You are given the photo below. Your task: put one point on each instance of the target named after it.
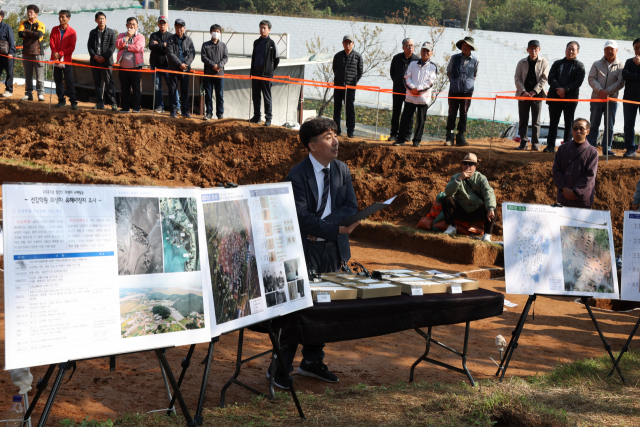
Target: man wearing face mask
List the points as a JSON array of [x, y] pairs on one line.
[[158, 59], [214, 55], [180, 52], [130, 47], [399, 65]]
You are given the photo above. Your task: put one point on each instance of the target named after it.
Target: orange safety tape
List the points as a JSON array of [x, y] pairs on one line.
[[626, 101], [524, 98]]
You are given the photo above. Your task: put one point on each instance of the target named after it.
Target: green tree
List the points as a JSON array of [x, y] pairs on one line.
[[162, 311], [524, 16]]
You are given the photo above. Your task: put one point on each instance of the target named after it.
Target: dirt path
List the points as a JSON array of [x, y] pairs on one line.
[[561, 331]]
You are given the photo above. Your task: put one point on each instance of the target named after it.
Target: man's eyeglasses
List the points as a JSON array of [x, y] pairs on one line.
[[579, 129], [468, 164]]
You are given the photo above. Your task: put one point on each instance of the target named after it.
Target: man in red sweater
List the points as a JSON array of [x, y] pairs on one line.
[[63, 43]]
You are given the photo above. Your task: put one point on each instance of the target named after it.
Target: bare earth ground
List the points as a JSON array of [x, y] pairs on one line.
[[101, 147], [561, 332]]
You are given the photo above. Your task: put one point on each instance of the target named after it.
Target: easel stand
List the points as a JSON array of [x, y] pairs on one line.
[[626, 347], [64, 367], [463, 355], [515, 335], [276, 355]]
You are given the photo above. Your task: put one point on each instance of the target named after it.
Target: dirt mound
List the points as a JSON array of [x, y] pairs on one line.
[[88, 146]]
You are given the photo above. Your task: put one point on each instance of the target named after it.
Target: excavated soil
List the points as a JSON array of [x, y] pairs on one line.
[[85, 146], [38, 145]]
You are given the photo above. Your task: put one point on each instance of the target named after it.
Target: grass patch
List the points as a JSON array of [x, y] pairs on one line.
[[572, 394], [29, 164]]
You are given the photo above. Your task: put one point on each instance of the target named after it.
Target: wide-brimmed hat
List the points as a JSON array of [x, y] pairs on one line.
[[467, 40], [471, 158]]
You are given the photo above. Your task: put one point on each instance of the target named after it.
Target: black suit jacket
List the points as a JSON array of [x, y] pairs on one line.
[[343, 204]]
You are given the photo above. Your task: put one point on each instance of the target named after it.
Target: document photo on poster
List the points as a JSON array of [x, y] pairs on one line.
[[95, 270], [255, 261], [558, 251]]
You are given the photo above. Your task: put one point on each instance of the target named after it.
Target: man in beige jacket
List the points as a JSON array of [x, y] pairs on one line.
[[531, 78], [605, 78]]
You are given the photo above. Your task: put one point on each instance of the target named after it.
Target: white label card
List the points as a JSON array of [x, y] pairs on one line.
[[416, 290], [456, 288], [324, 297]]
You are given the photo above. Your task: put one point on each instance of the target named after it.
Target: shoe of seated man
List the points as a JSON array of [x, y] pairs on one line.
[[452, 229], [486, 237], [279, 380], [317, 370]]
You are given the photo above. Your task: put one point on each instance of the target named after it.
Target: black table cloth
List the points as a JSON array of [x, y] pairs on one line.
[[364, 318]]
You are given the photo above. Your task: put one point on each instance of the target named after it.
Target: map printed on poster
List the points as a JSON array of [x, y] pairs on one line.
[[101, 270], [255, 260], [559, 251], [631, 257]]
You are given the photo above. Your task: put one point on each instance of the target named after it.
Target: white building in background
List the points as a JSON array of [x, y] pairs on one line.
[[498, 52]]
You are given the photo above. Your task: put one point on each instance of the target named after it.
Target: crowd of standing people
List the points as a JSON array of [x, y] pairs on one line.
[[413, 76]]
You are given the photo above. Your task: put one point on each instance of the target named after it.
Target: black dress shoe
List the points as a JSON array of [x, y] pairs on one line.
[[392, 138], [547, 150], [398, 143], [267, 123], [416, 144], [254, 119], [350, 134]]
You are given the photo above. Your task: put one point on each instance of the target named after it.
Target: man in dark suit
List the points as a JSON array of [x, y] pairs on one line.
[[324, 198]]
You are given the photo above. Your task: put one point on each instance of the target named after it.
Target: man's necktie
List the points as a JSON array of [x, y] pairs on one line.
[[325, 192]]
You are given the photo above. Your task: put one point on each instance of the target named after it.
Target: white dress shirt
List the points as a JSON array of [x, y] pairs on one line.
[[317, 169]]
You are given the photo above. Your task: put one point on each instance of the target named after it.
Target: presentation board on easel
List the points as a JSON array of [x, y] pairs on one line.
[[631, 257], [95, 270], [255, 259], [558, 251]]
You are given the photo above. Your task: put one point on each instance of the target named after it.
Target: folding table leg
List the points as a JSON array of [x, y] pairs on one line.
[[625, 348], [607, 346], [427, 338], [515, 335]]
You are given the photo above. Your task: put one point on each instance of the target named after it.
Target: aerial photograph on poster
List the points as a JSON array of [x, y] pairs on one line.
[[232, 258], [586, 259], [159, 310], [180, 234], [139, 235]]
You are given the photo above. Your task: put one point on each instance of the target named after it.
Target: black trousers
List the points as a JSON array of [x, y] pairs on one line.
[[261, 89], [64, 88], [524, 107], [130, 82], [455, 106], [323, 257], [398, 102], [103, 84], [6, 65], [452, 211], [556, 109], [348, 96], [182, 81], [420, 110]]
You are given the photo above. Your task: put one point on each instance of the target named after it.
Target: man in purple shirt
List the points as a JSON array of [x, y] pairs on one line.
[[575, 168]]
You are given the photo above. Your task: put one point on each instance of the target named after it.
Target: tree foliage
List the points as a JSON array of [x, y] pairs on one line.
[[618, 19]]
